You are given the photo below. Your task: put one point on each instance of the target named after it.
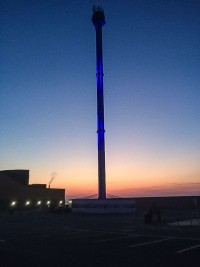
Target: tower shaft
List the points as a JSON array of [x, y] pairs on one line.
[[99, 20]]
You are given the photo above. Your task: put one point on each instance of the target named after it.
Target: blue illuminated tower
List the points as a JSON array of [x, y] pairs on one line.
[[98, 20]]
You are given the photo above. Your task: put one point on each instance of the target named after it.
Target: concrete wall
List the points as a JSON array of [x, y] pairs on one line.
[[137, 205], [103, 206], [179, 202]]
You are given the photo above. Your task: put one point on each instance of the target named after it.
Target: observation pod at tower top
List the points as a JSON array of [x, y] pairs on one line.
[[98, 17]]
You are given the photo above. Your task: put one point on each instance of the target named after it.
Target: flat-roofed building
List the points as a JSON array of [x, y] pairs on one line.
[[15, 189]]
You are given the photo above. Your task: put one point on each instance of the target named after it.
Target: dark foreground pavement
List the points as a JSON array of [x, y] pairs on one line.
[[44, 239]]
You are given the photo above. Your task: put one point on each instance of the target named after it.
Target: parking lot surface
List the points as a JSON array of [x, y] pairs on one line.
[[47, 239]]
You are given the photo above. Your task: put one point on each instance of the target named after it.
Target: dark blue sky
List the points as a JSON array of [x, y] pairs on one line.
[[152, 92]]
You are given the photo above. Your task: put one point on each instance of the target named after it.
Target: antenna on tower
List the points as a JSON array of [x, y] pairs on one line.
[[53, 176]]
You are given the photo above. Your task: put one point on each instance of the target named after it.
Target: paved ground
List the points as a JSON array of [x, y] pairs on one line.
[[97, 241]]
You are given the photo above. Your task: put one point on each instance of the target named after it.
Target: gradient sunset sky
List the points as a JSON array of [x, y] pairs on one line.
[[151, 88]]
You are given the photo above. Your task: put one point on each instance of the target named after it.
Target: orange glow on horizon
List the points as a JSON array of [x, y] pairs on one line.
[[125, 180]]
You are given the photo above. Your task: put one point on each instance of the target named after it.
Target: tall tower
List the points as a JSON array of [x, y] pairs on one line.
[[98, 20]]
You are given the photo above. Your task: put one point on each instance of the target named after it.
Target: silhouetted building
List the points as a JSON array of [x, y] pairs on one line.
[[20, 176], [15, 190]]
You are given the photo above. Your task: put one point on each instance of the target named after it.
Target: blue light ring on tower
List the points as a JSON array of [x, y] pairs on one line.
[[101, 140]]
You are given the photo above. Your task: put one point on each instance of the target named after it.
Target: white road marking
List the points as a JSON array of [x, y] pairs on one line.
[[64, 234], [184, 250], [100, 231], [115, 238], [81, 230], [81, 236], [188, 238], [130, 234], [152, 242]]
